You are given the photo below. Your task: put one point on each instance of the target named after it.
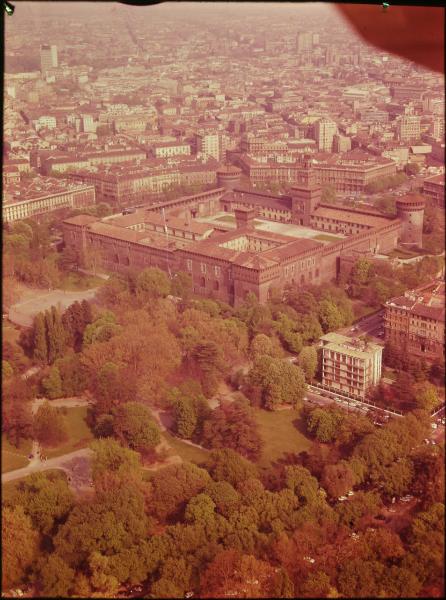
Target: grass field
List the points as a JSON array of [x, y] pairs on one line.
[[189, 453], [14, 458], [282, 433], [76, 282], [79, 433], [323, 237]]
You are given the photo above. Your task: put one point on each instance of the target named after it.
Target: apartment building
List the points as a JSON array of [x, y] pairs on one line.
[[409, 128], [171, 149], [350, 366], [433, 188], [414, 323], [324, 131], [208, 144], [48, 58], [352, 175], [23, 201]]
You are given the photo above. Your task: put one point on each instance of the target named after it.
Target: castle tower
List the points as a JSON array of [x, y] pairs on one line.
[[410, 210], [228, 177], [306, 195]]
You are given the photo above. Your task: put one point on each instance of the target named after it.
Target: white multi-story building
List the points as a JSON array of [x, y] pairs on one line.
[[408, 128], [208, 144], [48, 57], [350, 366], [325, 130]]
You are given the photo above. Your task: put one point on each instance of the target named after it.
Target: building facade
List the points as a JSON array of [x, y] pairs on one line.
[[414, 323], [350, 366], [232, 262]]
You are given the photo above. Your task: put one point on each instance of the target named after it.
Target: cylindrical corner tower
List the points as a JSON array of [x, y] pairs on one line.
[[410, 210], [228, 177]]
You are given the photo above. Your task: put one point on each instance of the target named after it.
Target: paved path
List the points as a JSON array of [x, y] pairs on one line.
[[67, 402], [35, 301], [36, 465]]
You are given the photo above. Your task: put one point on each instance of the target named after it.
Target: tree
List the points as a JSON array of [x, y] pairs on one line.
[[279, 382], [329, 316], [56, 336], [232, 425], [234, 573], [182, 286], [185, 417], [45, 498], [72, 374], [133, 424], [225, 497], [200, 509], [227, 465], [175, 579], [40, 344], [152, 283], [113, 523], [361, 272], [100, 577], [52, 385], [262, 345], [412, 169], [7, 370], [426, 396], [19, 546], [324, 424], [109, 455], [174, 486], [16, 410], [307, 361], [69, 259], [337, 479], [49, 425], [302, 483]]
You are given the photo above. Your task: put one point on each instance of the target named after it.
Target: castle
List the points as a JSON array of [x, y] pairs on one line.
[[234, 241]]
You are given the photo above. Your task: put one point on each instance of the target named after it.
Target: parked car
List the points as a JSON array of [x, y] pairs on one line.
[[434, 425], [351, 493], [342, 498]]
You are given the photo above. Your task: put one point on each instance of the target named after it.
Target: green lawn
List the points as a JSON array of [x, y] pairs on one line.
[[282, 433], [79, 433], [14, 458], [75, 281], [189, 453], [323, 237]]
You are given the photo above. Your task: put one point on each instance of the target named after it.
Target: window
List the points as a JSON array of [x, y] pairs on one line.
[[202, 282], [203, 267], [217, 271], [189, 264], [216, 286]]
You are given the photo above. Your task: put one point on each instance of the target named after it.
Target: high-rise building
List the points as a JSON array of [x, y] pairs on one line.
[[48, 57], [208, 144], [304, 41], [408, 128], [325, 130]]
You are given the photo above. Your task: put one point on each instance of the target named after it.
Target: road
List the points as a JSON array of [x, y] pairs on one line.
[[370, 325], [64, 462], [61, 402]]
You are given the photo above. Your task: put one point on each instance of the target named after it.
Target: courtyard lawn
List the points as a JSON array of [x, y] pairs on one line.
[[187, 452], [226, 219], [75, 281], [14, 458], [282, 433], [323, 237], [79, 433]]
